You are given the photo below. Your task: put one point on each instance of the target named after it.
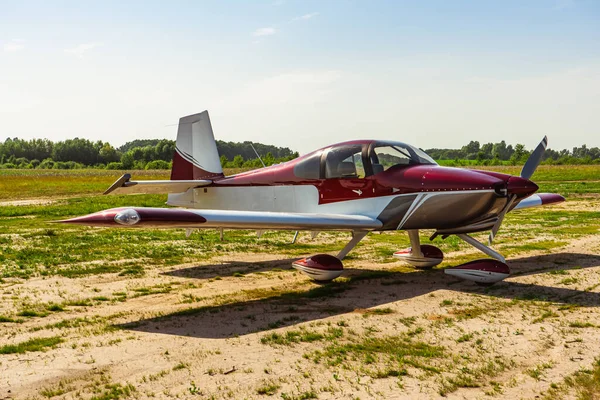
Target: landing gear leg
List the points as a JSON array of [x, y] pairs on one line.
[[357, 236], [481, 247], [483, 272], [415, 243], [420, 255]]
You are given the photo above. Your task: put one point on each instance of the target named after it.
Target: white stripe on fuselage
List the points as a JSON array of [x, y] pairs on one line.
[[294, 199]]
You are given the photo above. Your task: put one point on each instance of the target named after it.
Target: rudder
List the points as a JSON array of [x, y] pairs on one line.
[[196, 155]]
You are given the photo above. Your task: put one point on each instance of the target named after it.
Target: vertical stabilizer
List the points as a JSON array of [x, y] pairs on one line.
[[196, 155]]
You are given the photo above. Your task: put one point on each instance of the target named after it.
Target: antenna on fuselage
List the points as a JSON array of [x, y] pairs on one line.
[[256, 152]]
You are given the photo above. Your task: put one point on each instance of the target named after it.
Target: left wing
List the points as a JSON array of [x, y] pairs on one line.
[[186, 218], [540, 199]]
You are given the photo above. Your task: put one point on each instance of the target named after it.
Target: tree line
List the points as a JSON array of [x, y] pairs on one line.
[[502, 154], [138, 154], [158, 154]]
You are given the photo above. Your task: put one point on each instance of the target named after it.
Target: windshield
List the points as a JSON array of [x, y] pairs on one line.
[[386, 155]]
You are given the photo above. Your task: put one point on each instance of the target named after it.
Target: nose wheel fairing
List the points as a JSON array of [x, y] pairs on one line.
[[485, 271]]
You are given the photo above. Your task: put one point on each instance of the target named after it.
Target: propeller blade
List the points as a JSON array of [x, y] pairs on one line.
[[501, 216], [534, 159]]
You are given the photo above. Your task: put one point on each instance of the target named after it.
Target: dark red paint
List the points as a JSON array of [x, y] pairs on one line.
[[149, 217], [323, 262], [486, 264], [549, 198], [184, 170], [428, 251]]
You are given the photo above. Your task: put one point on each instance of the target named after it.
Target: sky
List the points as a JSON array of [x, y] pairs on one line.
[[303, 74]]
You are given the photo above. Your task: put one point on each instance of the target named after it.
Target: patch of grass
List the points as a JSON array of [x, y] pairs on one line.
[[75, 322], [537, 372], [408, 321], [377, 311], [37, 344], [460, 381], [558, 272], [302, 335], [79, 303], [31, 313], [585, 383], [268, 388], [580, 324], [115, 391], [568, 281], [446, 303], [181, 365], [135, 270], [465, 338], [302, 396], [388, 372], [55, 307], [401, 349], [546, 314], [9, 320]]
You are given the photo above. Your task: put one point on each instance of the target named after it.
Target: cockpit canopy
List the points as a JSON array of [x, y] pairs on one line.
[[358, 160]]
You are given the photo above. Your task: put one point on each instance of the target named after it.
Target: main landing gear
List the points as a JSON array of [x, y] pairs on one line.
[[485, 272]]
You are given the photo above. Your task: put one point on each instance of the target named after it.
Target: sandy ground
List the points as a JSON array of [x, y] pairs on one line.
[[520, 336], [28, 202]]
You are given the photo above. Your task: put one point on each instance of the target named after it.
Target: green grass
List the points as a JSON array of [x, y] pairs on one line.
[[377, 311], [296, 336], [580, 324], [268, 389], [115, 391], [37, 344], [401, 349], [585, 383]]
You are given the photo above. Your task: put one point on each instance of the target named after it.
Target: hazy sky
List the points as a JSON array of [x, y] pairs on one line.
[[303, 74]]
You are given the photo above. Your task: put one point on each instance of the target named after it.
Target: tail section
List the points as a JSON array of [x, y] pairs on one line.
[[196, 155]]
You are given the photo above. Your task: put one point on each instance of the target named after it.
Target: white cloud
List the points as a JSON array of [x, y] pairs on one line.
[[264, 32], [306, 16], [83, 48], [14, 45], [278, 3]]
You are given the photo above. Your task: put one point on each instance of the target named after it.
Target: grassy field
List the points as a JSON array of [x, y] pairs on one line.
[[111, 314]]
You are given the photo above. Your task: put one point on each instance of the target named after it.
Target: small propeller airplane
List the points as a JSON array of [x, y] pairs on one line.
[[358, 186]]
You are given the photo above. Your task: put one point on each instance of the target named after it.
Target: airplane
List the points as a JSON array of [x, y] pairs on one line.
[[359, 186]]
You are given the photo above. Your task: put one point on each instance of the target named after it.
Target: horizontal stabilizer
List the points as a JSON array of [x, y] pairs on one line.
[[124, 185]]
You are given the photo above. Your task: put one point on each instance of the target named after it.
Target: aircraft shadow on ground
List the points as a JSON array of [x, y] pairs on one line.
[[229, 268], [365, 289]]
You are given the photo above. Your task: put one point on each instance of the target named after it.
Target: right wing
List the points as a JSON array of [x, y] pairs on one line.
[[539, 199], [124, 185], [188, 218]]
